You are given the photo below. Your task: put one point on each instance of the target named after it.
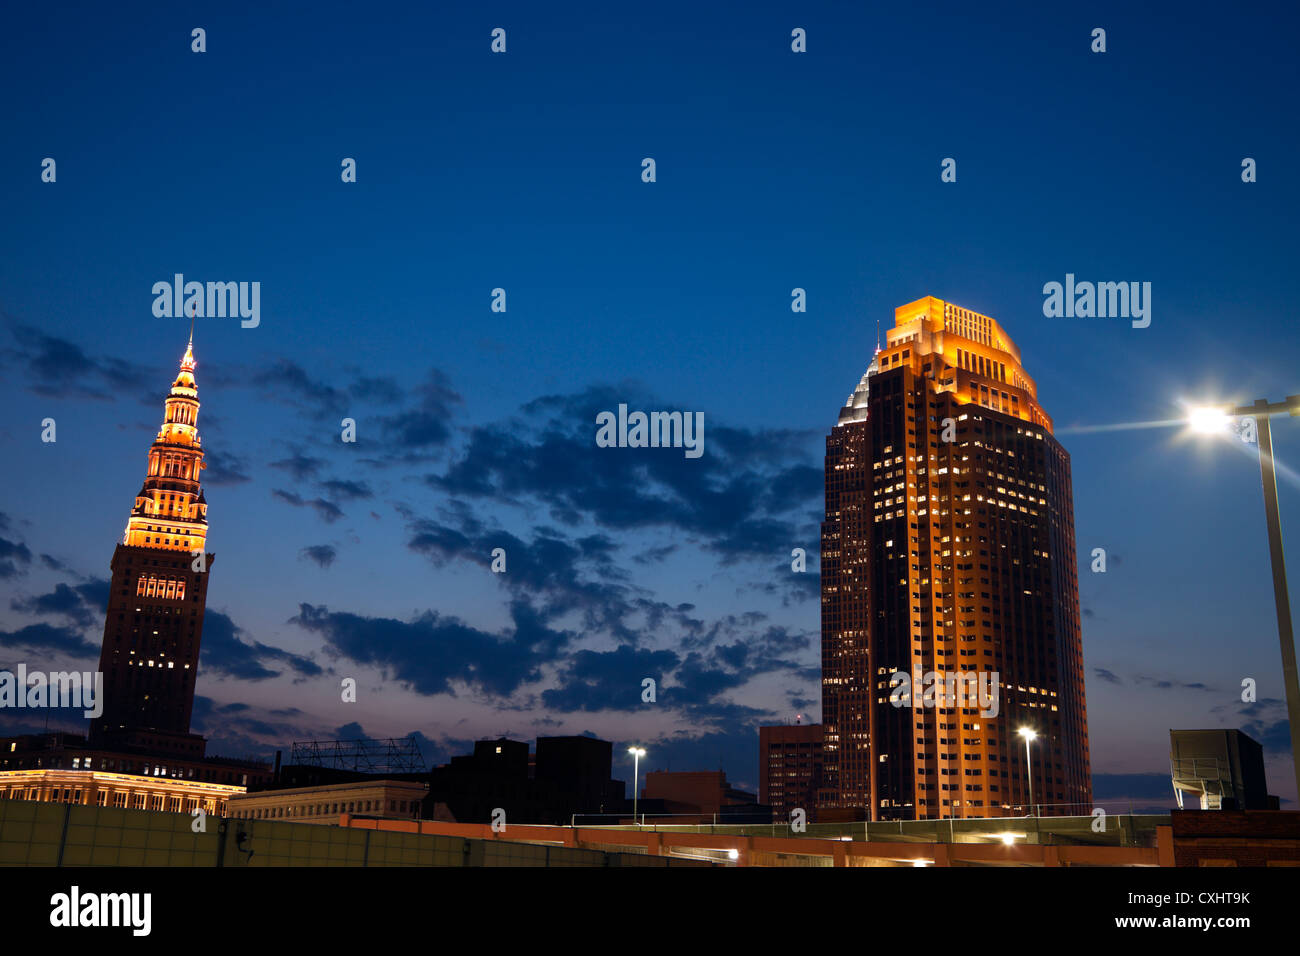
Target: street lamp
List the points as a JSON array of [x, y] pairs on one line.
[[637, 753], [1214, 420], [1029, 734]]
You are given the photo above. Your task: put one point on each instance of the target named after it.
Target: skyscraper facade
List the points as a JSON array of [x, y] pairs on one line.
[[948, 562], [150, 654]]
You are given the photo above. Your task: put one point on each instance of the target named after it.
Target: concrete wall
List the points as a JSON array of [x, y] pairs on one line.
[[53, 834]]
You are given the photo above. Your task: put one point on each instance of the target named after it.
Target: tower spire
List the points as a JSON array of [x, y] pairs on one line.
[[187, 362]]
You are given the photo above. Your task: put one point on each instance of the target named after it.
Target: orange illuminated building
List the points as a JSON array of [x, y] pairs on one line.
[[150, 654], [948, 548]]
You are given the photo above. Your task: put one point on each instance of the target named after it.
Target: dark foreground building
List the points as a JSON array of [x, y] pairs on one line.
[[569, 776], [790, 769], [948, 550]]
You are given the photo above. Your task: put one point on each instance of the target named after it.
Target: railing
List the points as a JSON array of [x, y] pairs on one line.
[[1119, 828]]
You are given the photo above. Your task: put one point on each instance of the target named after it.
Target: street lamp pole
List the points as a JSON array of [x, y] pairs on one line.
[[637, 753], [1029, 735], [1261, 411]]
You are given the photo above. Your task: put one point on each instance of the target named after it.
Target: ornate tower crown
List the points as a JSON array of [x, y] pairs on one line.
[[170, 511]]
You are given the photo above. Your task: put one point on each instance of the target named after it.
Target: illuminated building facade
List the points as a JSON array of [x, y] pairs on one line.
[[150, 654], [97, 788], [385, 799], [948, 548]]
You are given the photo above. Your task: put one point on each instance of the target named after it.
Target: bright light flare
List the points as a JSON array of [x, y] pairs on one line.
[[1207, 420]]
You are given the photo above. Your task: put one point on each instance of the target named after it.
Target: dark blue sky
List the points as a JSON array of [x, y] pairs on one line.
[[522, 171]]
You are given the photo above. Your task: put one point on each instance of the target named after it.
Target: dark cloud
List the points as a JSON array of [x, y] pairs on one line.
[[82, 605], [428, 423], [382, 391], [328, 511], [41, 639], [224, 468], [286, 381], [224, 653], [322, 554], [790, 586], [1107, 676], [56, 368], [15, 558], [608, 680], [568, 575], [347, 490], [1164, 684], [738, 499], [301, 467], [1265, 720], [433, 652], [593, 680], [238, 730]]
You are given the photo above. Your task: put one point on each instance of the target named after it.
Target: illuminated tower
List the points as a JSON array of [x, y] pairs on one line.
[[150, 655], [948, 548]]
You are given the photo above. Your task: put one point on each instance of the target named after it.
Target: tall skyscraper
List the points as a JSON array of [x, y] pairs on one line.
[[150, 655], [948, 549]]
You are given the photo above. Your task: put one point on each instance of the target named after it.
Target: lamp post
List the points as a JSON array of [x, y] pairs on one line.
[[637, 753], [1029, 735], [1213, 420]]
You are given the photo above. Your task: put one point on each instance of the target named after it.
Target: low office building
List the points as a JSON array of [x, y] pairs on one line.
[[699, 795], [324, 804]]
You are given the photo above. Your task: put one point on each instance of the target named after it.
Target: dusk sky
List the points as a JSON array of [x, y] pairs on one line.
[[523, 171]]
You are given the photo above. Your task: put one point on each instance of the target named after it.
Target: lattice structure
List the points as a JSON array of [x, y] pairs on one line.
[[392, 755]]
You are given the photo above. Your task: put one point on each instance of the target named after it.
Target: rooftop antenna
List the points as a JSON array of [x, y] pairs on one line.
[[877, 336]]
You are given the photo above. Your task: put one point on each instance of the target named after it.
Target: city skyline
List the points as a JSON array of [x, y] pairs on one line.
[[476, 428], [85, 596]]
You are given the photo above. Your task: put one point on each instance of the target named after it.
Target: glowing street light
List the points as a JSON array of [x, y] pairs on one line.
[[1215, 420], [1029, 734], [637, 753], [1208, 421]]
